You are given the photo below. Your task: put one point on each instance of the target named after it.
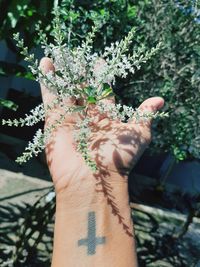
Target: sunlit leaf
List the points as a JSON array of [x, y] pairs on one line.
[[91, 100]]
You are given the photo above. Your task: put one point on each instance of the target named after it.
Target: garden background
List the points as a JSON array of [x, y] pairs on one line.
[[165, 184]]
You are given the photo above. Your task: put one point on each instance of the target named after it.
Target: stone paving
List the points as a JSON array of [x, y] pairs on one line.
[[18, 182]]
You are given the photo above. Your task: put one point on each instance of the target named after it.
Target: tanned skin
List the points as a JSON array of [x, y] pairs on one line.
[[93, 226]]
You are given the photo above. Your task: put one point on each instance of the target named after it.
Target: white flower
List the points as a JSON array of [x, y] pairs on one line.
[[36, 115], [80, 73]]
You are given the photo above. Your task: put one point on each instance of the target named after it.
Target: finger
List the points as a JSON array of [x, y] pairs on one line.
[[46, 66], [151, 104], [49, 97]]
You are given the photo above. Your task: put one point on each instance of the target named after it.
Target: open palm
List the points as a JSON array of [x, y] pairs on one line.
[[115, 146]]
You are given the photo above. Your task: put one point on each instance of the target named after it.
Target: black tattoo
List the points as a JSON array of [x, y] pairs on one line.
[[91, 241]]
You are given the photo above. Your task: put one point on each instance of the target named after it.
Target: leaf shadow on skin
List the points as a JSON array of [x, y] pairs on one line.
[[125, 142], [115, 147], [122, 146]]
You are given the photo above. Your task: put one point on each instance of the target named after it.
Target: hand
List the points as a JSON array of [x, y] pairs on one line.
[[114, 145]]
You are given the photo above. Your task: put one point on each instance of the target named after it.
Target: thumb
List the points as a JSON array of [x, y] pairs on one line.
[[152, 104], [46, 65]]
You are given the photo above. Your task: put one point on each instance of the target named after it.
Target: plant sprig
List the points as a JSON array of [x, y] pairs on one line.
[[76, 76]]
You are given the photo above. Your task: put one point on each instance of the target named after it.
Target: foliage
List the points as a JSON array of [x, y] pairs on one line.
[[22, 16], [27, 232], [157, 244], [173, 74]]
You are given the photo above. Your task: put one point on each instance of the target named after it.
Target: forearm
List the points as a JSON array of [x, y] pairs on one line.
[[93, 228]]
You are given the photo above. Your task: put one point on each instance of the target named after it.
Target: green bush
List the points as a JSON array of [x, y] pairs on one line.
[[172, 74]]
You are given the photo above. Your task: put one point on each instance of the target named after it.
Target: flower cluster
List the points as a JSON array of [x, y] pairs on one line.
[[81, 74], [37, 114], [33, 148], [126, 113]]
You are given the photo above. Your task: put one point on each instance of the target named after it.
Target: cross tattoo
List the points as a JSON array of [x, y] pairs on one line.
[[91, 241]]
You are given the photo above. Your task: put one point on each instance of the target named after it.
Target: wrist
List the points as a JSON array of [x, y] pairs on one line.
[[89, 189], [99, 203], [73, 233]]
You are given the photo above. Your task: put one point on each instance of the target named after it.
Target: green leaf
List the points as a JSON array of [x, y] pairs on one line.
[[90, 91], [107, 90], [30, 13], [132, 11], [8, 104], [17, 9], [58, 73], [91, 100], [102, 11], [73, 15]]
